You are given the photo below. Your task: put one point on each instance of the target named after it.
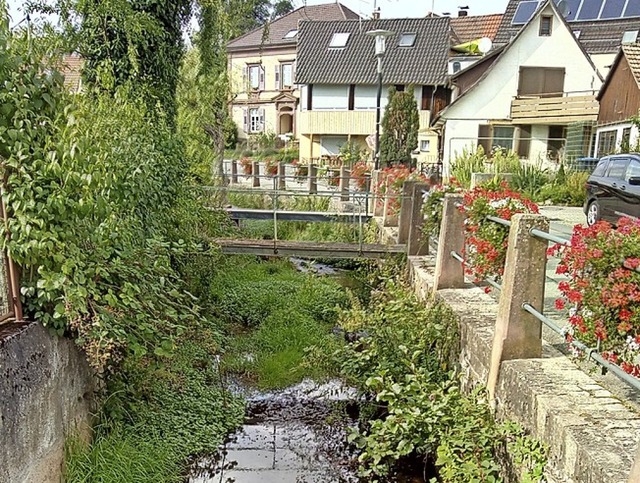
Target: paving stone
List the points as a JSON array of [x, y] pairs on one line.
[[253, 437], [251, 459], [287, 459], [295, 437], [275, 476]]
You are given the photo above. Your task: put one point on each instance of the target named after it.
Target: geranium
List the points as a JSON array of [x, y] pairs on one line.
[[486, 241], [271, 166], [432, 205], [247, 166], [359, 172], [390, 185], [301, 170], [604, 287]]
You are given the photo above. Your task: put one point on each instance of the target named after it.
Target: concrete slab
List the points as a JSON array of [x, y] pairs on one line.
[[275, 476], [288, 437], [252, 459], [253, 437]]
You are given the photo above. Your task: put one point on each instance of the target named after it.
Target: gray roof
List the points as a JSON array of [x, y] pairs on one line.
[[597, 37], [283, 25], [425, 63]]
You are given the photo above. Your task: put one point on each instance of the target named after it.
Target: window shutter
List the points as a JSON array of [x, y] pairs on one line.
[[277, 77], [261, 78], [245, 77], [261, 128], [293, 74], [245, 124]]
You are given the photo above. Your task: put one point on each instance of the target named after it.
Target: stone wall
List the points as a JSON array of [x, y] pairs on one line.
[[592, 436], [46, 392]]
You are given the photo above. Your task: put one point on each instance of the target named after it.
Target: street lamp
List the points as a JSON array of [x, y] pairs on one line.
[[380, 38]]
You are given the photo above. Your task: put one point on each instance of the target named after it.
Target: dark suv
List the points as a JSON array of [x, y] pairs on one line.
[[613, 189]]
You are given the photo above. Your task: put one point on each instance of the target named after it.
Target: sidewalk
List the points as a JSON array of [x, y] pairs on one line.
[[563, 218]]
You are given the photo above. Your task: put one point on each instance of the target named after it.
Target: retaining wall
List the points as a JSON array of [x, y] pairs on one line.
[[592, 436], [46, 391]]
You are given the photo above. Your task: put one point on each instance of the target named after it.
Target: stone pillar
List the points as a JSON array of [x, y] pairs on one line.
[[344, 183], [415, 245], [404, 219], [234, 171], [255, 173], [389, 218], [634, 477], [313, 178], [518, 334], [373, 200], [282, 180], [449, 271]]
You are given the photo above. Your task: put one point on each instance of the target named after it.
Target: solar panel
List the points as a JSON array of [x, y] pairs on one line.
[[590, 10], [633, 9], [524, 12], [572, 9], [612, 9]]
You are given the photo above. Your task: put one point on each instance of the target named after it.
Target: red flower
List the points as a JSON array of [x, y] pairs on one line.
[[559, 304]]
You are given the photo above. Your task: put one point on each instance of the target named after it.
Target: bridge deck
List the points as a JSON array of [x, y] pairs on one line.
[[307, 249], [281, 215]]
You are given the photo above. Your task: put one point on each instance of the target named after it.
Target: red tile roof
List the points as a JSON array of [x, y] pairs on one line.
[[474, 27], [632, 53], [285, 24]]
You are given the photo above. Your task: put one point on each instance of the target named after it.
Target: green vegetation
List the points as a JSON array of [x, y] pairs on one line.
[[400, 125], [405, 365]]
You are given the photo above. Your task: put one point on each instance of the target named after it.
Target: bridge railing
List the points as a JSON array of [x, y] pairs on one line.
[[518, 328]]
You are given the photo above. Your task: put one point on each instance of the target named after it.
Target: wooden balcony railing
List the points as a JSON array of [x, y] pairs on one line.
[[562, 109]]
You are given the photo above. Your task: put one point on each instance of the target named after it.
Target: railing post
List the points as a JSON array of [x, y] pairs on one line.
[[518, 334], [406, 204], [282, 180], [255, 172], [313, 179], [449, 271], [415, 244], [344, 183], [234, 171]]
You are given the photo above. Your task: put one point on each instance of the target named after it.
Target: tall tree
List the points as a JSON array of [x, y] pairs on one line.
[[400, 126]]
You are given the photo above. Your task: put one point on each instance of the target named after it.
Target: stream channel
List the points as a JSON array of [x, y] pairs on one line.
[[296, 435]]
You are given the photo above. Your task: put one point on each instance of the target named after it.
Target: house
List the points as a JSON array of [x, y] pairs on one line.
[[619, 101], [337, 72], [262, 65], [600, 25], [466, 33], [525, 97]]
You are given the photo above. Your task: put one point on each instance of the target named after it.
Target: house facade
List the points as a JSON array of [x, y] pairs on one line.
[[619, 102], [262, 66], [337, 74], [526, 97]]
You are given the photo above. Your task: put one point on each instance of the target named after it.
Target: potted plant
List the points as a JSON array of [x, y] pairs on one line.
[[247, 166]]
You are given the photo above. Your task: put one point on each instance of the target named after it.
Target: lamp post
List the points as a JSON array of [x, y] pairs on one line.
[[380, 39]]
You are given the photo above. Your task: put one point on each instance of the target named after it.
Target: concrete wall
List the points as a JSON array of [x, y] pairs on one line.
[[592, 435], [46, 392]]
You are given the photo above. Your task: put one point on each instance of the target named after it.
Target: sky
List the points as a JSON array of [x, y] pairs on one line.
[[388, 8]]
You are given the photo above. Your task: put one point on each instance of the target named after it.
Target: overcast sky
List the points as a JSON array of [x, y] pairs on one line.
[[389, 8]]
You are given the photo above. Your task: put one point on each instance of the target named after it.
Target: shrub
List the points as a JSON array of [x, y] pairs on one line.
[[529, 179], [467, 163]]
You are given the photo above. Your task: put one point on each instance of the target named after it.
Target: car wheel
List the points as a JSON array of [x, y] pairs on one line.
[[593, 213]]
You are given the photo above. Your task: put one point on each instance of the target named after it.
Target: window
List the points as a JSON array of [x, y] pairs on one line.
[[556, 141], [407, 40], [577, 33], [626, 140], [606, 143], [618, 168], [256, 77], [503, 137], [425, 145], [286, 79], [541, 81], [630, 36], [546, 22], [456, 67], [600, 168], [256, 120], [633, 171], [339, 41], [524, 141], [291, 34]]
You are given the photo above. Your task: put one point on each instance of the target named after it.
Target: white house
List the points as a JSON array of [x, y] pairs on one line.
[[537, 93]]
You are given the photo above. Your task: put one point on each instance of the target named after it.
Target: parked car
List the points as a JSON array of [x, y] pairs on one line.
[[613, 189]]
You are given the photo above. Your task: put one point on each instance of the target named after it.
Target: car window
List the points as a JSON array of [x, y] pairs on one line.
[[600, 169], [633, 171], [617, 168]]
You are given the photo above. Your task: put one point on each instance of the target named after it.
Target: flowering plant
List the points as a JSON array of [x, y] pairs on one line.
[[390, 185], [432, 204], [333, 178], [604, 287], [301, 170], [359, 173], [247, 166], [485, 241], [271, 166]]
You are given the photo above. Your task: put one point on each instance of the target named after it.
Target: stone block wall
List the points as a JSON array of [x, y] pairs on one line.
[[46, 392]]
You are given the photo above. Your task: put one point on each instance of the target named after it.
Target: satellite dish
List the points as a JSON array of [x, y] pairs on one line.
[[563, 7], [484, 45]]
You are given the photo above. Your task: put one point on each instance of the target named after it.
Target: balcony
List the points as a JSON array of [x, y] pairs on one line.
[[338, 122], [565, 109]]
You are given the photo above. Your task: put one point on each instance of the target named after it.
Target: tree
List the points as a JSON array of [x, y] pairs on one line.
[[400, 126]]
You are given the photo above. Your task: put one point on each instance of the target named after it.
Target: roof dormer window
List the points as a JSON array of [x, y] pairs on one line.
[[630, 36], [339, 40], [407, 40], [291, 34]]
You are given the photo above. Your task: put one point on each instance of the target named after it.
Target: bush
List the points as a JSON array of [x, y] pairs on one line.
[[467, 163], [230, 129]]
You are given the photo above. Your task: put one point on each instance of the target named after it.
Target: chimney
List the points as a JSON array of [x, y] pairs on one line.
[[463, 11], [376, 14]]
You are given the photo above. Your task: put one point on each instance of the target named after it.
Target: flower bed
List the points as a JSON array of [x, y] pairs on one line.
[[486, 242], [390, 185], [432, 206], [247, 166], [604, 290], [271, 166]]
